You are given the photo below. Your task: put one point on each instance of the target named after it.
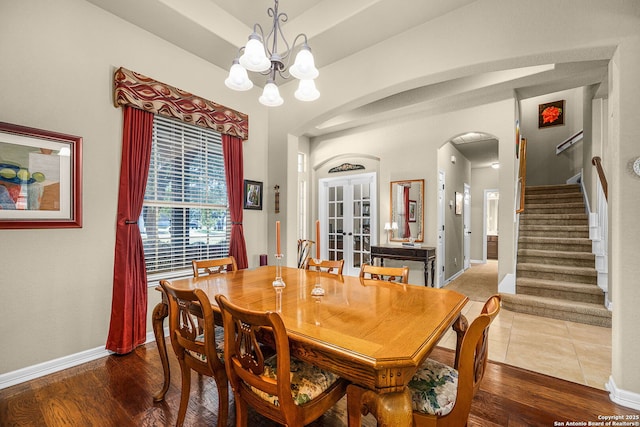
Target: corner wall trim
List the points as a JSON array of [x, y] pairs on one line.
[[508, 284], [624, 398], [45, 368]]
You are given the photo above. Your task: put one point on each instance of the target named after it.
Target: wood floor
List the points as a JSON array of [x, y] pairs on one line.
[[117, 391]]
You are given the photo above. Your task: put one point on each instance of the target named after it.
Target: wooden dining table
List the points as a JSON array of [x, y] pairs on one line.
[[373, 333]]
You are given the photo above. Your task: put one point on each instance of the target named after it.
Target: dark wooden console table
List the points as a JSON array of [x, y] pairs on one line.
[[424, 254]]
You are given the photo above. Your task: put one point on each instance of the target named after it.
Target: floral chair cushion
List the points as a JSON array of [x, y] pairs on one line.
[[307, 381], [434, 388], [219, 346]]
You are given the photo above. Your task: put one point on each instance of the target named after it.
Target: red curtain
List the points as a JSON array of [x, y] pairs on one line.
[[128, 328], [234, 173], [407, 230]]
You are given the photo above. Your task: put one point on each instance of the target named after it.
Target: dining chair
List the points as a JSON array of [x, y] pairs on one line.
[[304, 250], [198, 345], [331, 266], [441, 395], [212, 266], [280, 387], [390, 274]]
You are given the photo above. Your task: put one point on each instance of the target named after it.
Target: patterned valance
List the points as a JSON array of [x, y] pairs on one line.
[[147, 94]]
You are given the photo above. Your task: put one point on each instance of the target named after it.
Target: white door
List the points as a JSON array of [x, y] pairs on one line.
[[466, 219], [441, 232], [348, 219]]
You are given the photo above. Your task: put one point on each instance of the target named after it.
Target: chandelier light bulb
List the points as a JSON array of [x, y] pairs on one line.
[[238, 78], [271, 95], [307, 91], [304, 67], [254, 57]]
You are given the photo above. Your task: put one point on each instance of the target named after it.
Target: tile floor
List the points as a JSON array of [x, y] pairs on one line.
[[571, 351]]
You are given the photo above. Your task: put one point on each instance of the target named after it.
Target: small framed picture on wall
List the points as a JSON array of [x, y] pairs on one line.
[[252, 195], [551, 114]]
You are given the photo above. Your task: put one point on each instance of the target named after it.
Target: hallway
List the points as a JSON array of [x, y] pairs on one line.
[[572, 351]]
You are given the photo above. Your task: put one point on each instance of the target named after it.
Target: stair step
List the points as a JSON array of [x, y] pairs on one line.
[[573, 311], [540, 230], [555, 208], [554, 219], [568, 258], [569, 291], [552, 189], [553, 198], [563, 273], [565, 244]]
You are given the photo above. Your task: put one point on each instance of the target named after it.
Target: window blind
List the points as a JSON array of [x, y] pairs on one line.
[[185, 213]]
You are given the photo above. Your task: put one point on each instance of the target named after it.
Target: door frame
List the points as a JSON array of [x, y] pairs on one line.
[[323, 214]]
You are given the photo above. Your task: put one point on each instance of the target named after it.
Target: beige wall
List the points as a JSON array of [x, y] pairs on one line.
[[56, 74], [624, 227], [544, 166]]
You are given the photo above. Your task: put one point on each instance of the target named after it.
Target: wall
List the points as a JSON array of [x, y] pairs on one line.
[[624, 227], [57, 74], [455, 176], [543, 165]]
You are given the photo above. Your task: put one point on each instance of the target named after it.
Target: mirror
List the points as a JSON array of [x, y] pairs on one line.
[[407, 210]]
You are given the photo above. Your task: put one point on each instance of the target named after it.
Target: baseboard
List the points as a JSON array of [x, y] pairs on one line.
[[624, 398], [45, 368]]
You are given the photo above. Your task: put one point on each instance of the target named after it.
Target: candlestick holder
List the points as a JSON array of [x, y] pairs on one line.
[[278, 299], [317, 290], [278, 282]]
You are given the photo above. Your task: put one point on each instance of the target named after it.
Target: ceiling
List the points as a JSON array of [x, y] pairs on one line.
[[215, 29]]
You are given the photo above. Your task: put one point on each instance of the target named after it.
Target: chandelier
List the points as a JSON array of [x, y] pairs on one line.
[[266, 60]]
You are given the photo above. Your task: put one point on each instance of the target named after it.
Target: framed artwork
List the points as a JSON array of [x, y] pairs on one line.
[[551, 114], [40, 178], [413, 206], [252, 195], [458, 203]]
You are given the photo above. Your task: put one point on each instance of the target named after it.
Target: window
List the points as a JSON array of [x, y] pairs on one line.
[[185, 214], [302, 196]]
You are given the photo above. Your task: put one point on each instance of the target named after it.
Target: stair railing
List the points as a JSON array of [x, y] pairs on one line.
[[522, 174], [597, 162]]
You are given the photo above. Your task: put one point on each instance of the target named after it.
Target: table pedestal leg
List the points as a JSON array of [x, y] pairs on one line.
[[159, 313], [390, 409]]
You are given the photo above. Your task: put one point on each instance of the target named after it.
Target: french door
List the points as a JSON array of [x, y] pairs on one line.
[[348, 217]]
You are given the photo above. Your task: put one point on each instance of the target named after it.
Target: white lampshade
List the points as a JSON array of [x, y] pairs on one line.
[[254, 57], [304, 67], [307, 91], [387, 226], [271, 95], [238, 78], [394, 225]]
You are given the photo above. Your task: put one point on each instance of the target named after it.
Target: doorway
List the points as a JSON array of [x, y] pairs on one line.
[[490, 232], [348, 211]]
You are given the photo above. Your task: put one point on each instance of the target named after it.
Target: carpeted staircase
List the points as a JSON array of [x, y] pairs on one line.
[[555, 273]]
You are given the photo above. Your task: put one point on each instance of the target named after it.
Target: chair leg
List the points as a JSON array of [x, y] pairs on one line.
[[184, 393], [354, 405], [223, 402], [242, 412]]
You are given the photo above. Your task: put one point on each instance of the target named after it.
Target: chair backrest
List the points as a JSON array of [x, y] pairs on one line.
[[213, 266], [474, 356], [304, 249], [390, 274], [192, 329], [244, 358], [330, 266]]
